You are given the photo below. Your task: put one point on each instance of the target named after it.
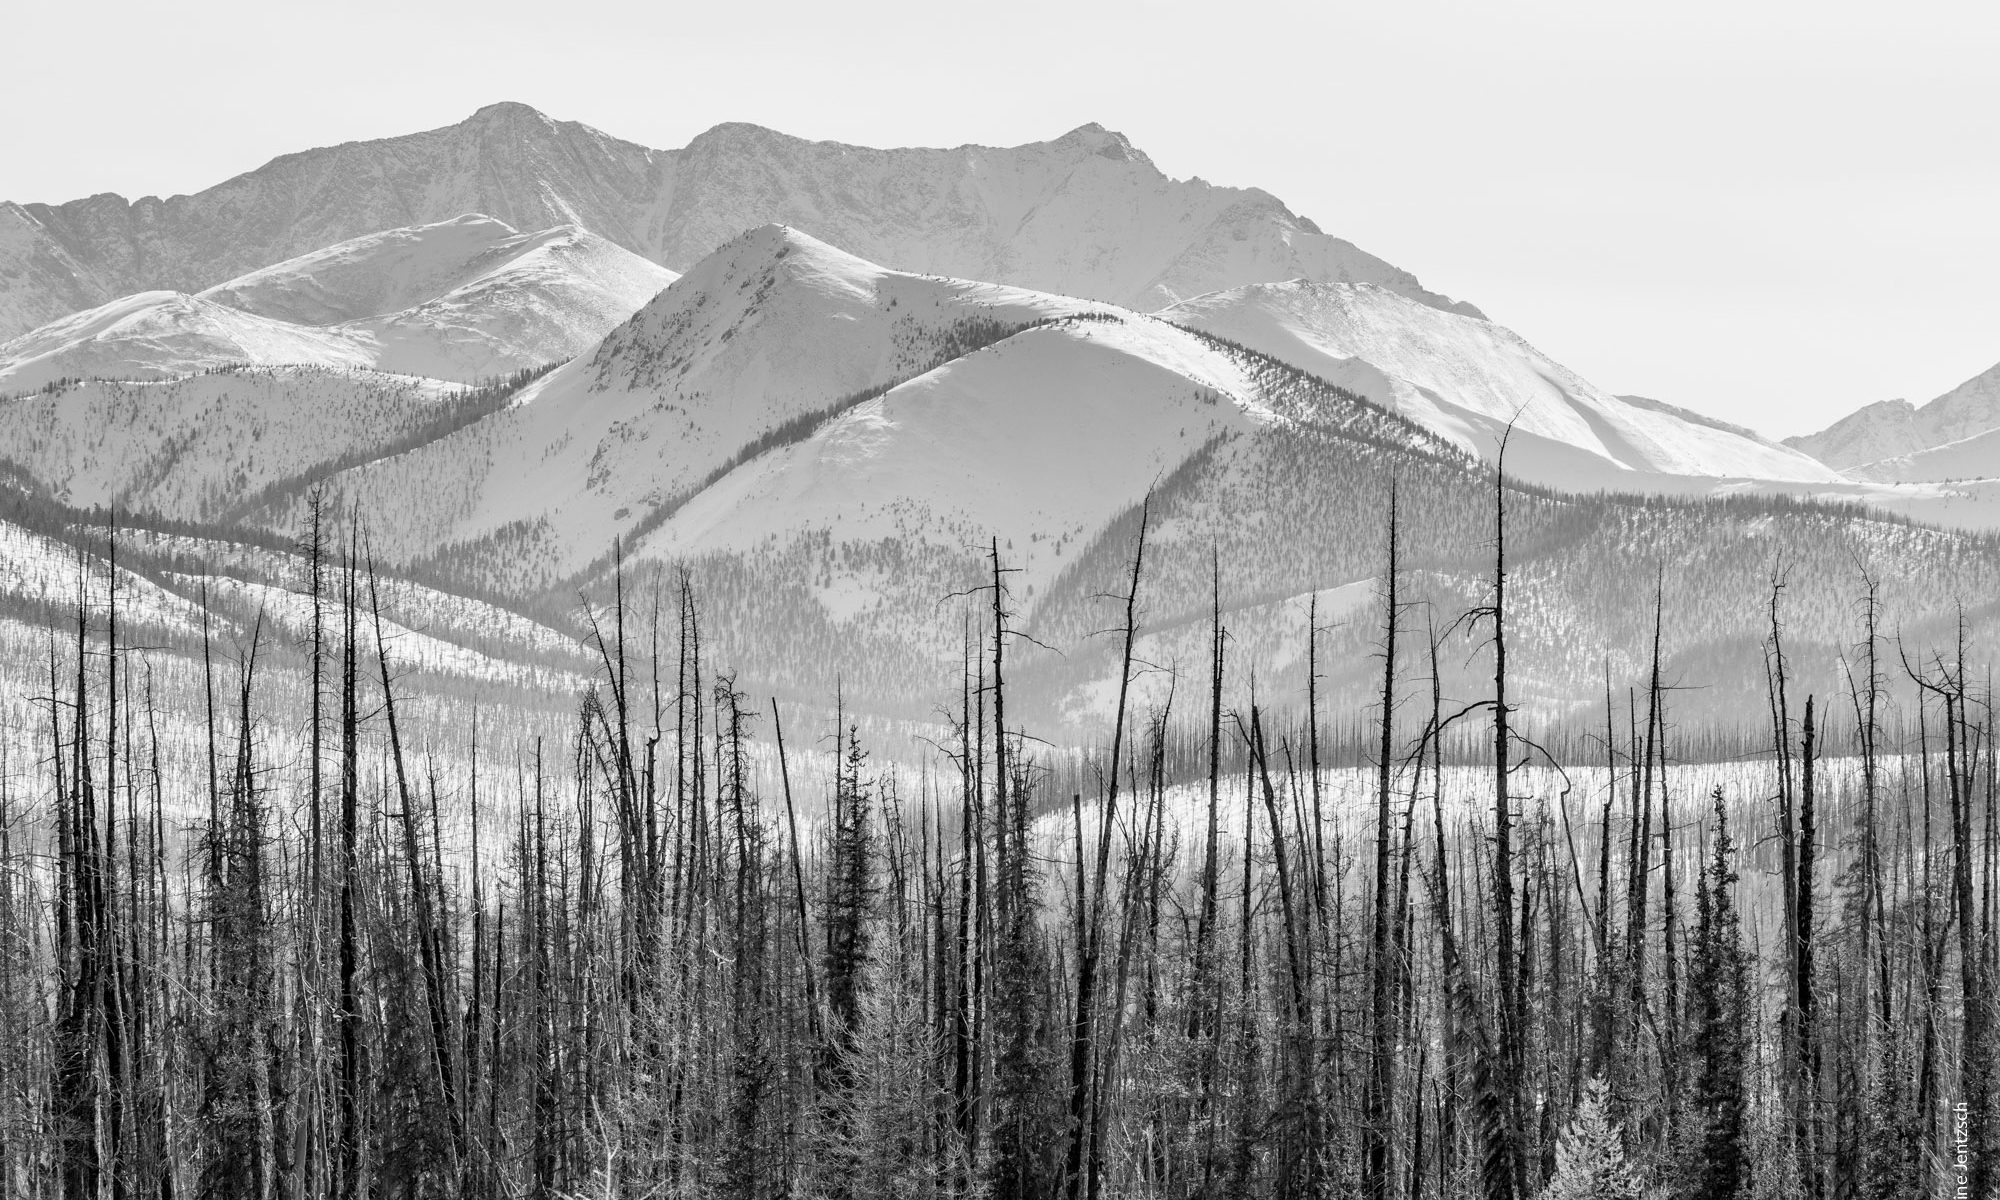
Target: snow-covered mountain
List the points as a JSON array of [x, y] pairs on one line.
[[465, 299], [963, 453], [828, 419], [755, 393], [828, 445], [1467, 379], [1084, 214], [757, 347], [1896, 441], [755, 343]]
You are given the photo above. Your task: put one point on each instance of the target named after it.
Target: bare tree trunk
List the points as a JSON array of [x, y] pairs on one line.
[[1508, 1177], [1378, 1134], [1082, 1061]]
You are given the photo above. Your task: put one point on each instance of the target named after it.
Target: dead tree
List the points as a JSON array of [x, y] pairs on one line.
[[1378, 1137]]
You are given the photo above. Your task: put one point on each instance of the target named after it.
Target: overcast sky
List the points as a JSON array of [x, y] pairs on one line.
[[1769, 212]]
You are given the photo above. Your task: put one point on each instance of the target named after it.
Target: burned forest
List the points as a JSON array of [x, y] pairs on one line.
[[673, 938]]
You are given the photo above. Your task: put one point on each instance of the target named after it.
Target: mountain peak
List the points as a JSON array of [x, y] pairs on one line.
[[776, 238], [1105, 143], [737, 132], [760, 250], [506, 113]]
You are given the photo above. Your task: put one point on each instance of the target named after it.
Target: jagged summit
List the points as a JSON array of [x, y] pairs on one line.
[[1105, 143], [1091, 138], [1083, 214], [1895, 440]]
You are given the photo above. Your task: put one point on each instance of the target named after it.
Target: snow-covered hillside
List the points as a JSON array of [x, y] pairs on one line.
[[1896, 441], [463, 300], [535, 298], [837, 558], [174, 591], [1467, 379], [158, 335], [962, 454], [1084, 214], [375, 275], [195, 448], [773, 329], [1970, 458], [39, 571]]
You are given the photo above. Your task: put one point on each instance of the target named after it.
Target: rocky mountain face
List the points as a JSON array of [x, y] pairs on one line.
[[1896, 441], [1085, 214]]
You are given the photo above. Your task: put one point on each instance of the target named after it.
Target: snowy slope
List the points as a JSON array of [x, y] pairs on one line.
[[773, 327], [375, 275], [835, 557], [39, 571], [1084, 214], [463, 300], [962, 455], [156, 335], [535, 298], [1888, 439], [458, 619], [933, 470], [195, 447], [164, 579], [1969, 458], [410, 643], [1466, 379]]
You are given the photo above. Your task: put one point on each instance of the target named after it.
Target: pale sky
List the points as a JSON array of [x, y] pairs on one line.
[[1769, 212]]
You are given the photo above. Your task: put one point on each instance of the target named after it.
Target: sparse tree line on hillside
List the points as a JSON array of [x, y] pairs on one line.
[[650, 972]]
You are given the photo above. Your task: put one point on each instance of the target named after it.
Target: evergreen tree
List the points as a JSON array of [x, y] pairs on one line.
[[1718, 997], [850, 889], [1590, 1156], [887, 1144]]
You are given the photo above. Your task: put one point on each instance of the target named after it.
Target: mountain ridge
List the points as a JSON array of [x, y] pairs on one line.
[[1476, 383], [1039, 215], [1892, 440], [463, 300]]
